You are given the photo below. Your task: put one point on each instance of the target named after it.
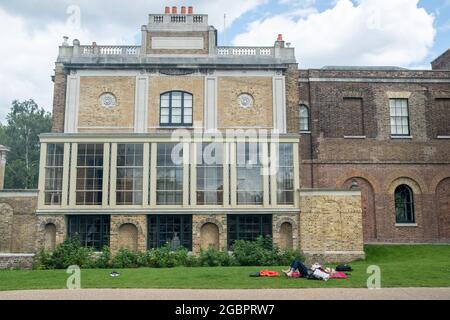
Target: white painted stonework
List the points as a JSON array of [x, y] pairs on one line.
[[184, 43]]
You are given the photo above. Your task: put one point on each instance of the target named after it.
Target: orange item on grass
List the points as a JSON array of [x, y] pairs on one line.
[[268, 273]]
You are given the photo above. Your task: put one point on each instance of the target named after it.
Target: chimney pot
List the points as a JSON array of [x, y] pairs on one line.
[[167, 10], [183, 10], [191, 10], [174, 10]]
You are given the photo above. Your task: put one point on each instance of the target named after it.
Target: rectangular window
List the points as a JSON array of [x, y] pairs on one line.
[[169, 171], [249, 174], [399, 117], [89, 185], [92, 231], [54, 165], [209, 174], [285, 174], [441, 117], [130, 167], [353, 117], [248, 227], [175, 230]]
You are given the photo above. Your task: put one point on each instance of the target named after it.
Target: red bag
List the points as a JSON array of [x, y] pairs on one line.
[[338, 275]]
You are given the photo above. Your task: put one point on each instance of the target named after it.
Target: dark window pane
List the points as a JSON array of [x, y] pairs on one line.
[[92, 231], [175, 230], [248, 227]]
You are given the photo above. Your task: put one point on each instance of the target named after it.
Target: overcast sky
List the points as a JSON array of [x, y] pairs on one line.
[[407, 33]]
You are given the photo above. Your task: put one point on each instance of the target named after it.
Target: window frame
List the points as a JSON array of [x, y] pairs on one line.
[[249, 167], [308, 118], [95, 168], [201, 166], [286, 166], [171, 123], [399, 117], [405, 205], [57, 169], [185, 219], [133, 168], [178, 168], [105, 229], [239, 223]]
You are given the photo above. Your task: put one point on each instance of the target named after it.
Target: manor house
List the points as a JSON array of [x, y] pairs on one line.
[[321, 160]]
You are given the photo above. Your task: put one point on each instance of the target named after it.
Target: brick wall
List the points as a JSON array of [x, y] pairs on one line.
[[331, 161], [18, 222], [14, 261], [331, 225], [59, 98], [231, 115], [93, 114]]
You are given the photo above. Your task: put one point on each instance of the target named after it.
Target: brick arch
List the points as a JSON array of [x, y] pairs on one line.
[[362, 175], [410, 182], [209, 220], [209, 236], [128, 236], [443, 208], [437, 179], [369, 217], [282, 221], [412, 176], [115, 226], [50, 236], [49, 220]]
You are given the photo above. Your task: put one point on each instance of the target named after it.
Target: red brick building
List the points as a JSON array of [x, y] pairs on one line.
[[388, 129]]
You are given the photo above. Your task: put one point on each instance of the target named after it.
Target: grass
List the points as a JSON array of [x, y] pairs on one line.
[[401, 266]]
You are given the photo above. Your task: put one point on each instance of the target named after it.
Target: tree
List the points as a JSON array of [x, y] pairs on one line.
[[25, 122]]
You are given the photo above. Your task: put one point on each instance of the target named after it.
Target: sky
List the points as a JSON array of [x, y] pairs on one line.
[[405, 33]]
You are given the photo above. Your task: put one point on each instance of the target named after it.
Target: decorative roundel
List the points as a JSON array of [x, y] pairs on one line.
[[245, 101], [108, 100]]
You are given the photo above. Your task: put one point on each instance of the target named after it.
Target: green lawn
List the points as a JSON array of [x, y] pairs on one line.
[[401, 266]]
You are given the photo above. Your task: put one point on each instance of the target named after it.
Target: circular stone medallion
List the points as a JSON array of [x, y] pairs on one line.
[[245, 101], [108, 100]]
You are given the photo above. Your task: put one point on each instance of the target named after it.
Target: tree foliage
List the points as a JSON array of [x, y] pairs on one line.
[[25, 121]]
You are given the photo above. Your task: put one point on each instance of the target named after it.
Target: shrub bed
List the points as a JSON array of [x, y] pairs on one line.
[[245, 253]]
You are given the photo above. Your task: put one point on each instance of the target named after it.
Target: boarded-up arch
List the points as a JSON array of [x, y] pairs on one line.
[[286, 239], [443, 207], [49, 237], [6, 220], [209, 236], [368, 207], [128, 237]]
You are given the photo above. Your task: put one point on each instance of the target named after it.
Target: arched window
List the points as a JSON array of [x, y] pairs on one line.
[[304, 118], [176, 109], [404, 204]]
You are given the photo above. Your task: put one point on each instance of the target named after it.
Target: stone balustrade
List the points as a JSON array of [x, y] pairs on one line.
[[245, 51], [109, 50]]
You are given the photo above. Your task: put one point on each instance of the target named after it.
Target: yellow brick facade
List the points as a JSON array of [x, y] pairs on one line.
[[231, 115], [92, 115]]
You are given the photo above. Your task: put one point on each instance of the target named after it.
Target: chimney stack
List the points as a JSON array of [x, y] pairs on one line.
[[183, 10], [191, 10], [167, 10], [174, 10], [280, 42]]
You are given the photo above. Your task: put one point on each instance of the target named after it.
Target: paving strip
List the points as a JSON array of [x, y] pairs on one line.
[[226, 294]]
